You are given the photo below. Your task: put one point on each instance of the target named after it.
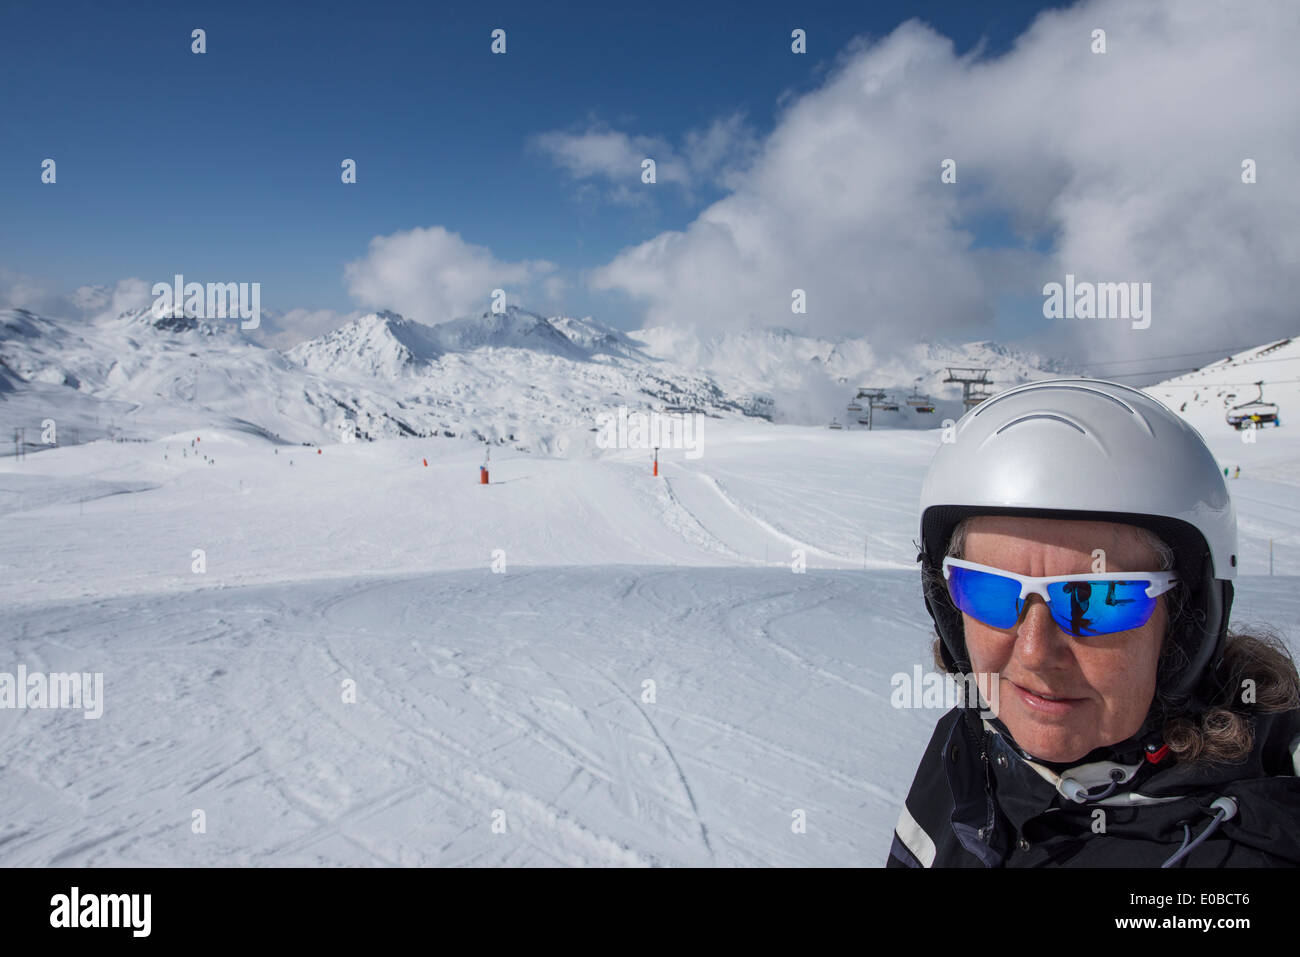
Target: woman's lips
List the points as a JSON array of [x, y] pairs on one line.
[[1045, 703]]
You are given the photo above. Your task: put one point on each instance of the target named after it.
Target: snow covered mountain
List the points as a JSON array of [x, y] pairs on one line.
[[380, 345], [513, 378], [386, 345]]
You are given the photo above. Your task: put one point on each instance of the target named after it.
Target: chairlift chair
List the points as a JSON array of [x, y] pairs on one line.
[[1253, 413]]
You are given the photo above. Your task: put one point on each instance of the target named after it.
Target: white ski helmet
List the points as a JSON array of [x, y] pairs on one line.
[[1089, 449]]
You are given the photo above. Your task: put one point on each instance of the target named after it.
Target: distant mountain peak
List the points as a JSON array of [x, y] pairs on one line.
[[175, 321], [384, 345]]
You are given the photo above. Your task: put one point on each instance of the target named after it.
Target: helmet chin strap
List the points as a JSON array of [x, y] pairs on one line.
[[1202, 643]]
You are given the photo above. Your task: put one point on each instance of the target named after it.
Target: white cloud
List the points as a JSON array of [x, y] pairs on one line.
[[705, 157], [610, 154], [39, 295], [44, 297], [721, 151], [553, 291], [127, 294], [283, 330], [1127, 163], [432, 275]]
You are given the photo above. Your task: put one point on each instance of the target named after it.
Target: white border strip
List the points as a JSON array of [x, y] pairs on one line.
[[915, 839]]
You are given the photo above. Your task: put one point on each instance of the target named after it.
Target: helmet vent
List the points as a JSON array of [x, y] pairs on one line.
[[1038, 386], [1040, 415]]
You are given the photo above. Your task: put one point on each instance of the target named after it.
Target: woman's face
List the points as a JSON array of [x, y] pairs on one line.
[[1104, 684]]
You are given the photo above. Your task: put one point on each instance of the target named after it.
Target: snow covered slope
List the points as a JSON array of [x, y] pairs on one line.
[[500, 639], [1206, 396]]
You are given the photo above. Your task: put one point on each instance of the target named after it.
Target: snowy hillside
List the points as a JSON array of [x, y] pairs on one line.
[[1206, 396], [1209, 395], [515, 379], [500, 639], [516, 375]]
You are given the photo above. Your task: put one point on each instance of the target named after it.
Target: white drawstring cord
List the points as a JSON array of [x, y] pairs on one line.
[[1225, 809]]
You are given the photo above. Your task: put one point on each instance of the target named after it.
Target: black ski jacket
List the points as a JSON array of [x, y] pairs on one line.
[[978, 801]]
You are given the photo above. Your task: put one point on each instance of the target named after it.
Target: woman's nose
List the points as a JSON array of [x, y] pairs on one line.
[[1038, 639]]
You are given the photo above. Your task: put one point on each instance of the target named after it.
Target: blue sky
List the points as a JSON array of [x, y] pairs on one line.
[[777, 171], [227, 164]]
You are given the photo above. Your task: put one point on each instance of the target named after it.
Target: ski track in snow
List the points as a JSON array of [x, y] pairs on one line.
[[445, 730]]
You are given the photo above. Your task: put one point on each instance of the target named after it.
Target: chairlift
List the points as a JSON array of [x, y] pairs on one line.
[[920, 402], [835, 425], [1256, 416], [1253, 413], [855, 407]]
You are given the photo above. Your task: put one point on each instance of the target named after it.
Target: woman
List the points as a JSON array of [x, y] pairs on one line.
[[1078, 547]]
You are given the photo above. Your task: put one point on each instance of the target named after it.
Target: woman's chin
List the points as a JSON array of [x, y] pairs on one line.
[[1056, 753], [1050, 741]]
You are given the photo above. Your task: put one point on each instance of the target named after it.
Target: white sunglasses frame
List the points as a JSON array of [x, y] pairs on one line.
[[1161, 582]]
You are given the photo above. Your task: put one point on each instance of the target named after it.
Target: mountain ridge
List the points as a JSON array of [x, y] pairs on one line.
[[514, 377]]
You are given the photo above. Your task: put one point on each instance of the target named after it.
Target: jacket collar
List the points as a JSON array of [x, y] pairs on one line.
[[1034, 784], [998, 784]]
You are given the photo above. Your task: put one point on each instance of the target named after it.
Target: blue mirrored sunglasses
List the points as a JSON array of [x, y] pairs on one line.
[[1082, 605]]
